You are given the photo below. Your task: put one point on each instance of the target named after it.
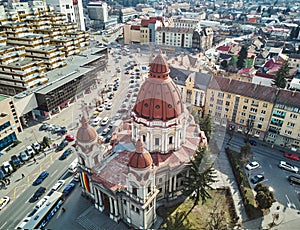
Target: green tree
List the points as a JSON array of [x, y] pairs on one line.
[[264, 197], [245, 152], [46, 142], [281, 75], [224, 64], [199, 178], [206, 126], [177, 222], [242, 57]]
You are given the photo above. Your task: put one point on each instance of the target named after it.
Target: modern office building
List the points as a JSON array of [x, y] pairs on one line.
[[98, 14], [9, 122], [147, 158]]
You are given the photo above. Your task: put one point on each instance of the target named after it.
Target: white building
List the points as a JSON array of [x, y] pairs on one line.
[[73, 10], [146, 159], [171, 36]]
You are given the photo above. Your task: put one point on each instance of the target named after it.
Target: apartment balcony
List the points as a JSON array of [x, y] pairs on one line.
[[278, 124], [274, 130], [280, 115]]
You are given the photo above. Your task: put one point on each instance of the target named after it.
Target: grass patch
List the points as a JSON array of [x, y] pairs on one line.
[[200, 216], [241, 178]]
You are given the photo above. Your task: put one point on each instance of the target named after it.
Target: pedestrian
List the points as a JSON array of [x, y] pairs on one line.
[[23, 175], [8, 181], [34, 160], [45, 154], [63, 209]]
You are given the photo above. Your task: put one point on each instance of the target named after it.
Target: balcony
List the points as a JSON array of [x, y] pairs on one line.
[[274, 130], [280, 115], [278, 124]]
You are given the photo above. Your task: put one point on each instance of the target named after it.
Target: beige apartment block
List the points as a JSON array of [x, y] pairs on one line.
[[284, 126], [171, 36], [240, 105], [10, 125]]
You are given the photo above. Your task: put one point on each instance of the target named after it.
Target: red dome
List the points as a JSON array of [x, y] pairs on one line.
[[159, 97], [139, 159], [86, 133]]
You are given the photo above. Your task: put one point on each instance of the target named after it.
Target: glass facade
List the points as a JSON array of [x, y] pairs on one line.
[[4, 126], [8, 140]]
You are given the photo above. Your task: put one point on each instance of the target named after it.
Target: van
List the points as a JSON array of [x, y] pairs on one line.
[[294, 179], [73, 166]]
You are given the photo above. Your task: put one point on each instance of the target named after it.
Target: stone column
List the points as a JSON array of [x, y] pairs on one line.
[[117, 216], [174, 183], [101, 207], [96, 197], [111, 206], [170, 184]]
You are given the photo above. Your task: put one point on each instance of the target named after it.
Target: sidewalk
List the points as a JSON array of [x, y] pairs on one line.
[[226, 178]]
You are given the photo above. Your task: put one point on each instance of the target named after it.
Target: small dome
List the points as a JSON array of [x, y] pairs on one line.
[[86, 134], [159, 68], [140, 158]]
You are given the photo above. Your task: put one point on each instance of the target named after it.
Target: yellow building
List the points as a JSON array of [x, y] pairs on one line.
[[9, 122], [284, 128], [192, 86], [236, 104]]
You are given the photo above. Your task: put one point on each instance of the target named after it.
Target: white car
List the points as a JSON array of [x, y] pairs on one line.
[[104, 121], [24, 156], [36, 146], [100, 108], [96, 121], [3, 202], [58, 184], [252, 165], [108, 106], [29, 150], [286, 166]]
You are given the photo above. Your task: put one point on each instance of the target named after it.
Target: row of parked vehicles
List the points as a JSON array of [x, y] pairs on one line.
[[54, 129], [17, 161]]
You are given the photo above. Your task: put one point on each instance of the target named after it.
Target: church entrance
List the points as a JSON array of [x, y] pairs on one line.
[[106, 202]]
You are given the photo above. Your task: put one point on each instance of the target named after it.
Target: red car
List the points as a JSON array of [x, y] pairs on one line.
[[292, 156], [70, 137]]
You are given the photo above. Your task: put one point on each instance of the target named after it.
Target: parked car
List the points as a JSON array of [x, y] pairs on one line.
[[6, 166], [108, 106], [30, 151], [70, 137], [23, 156], [294, 179], [63, 130], [100, 108], [251, 142], [107, 139], [62, 145], [40, 178], [50, 128], [258, 178], [38, 193], [96, 121], [252, 165], [36, 146], [286, 166], [56, 129], [3, 202], [105, 131], [65, 154], [104, 121], [68, 189], [16, 161], [44, 126], [58, 184], [292, 156]]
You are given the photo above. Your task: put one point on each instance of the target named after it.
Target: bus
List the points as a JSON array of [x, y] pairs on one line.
[[43, 214]]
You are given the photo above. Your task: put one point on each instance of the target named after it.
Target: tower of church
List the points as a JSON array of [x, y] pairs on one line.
[[90, 152], [140, 183]]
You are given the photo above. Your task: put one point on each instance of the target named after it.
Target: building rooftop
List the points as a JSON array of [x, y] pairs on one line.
[[3, 97]]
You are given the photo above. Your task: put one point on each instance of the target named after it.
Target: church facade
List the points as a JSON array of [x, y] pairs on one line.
[[146, 161]]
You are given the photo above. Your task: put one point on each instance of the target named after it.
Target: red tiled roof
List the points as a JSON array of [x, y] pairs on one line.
[[244, 70], [223, 48], [135, 27], [265, 75], [259, 92]]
